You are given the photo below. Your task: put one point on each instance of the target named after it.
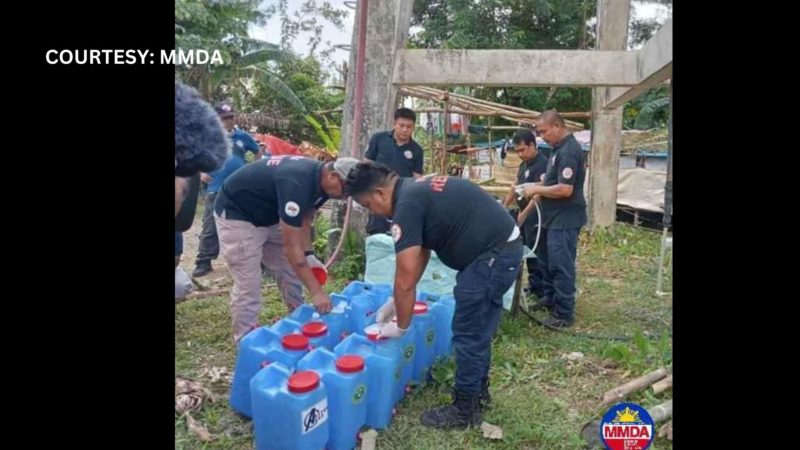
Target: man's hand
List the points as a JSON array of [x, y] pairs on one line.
[[206, 178], [316, 265], [322, 303], [386, 312], [391, 330], [527, 190]]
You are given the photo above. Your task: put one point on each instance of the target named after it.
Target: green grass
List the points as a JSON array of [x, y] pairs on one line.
[[541, 400]]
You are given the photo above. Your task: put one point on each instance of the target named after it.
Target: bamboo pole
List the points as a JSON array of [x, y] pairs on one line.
[[620, 392], [662, 385]]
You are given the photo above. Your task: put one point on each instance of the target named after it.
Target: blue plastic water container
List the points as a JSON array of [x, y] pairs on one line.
[[258, 349], [383, 374], [425, 342], [318, 335], [426, 297], [443, 319], [290, 411], [355, 288], [286, 326], [361, 312], [408, 349], [345, 379], [303, 314], [337, 320], [380, 293], [252, 356]]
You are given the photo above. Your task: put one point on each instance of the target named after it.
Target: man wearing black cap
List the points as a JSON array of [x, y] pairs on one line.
[[208, 247], [264, 213]]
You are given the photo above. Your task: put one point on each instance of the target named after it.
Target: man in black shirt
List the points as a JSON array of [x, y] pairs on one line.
[[263, 214], [563, 215], [471, 233], [531, 170], [397, 150]]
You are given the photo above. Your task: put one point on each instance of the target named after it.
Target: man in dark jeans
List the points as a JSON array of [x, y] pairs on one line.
[[563, 215], [208, 247], [397, 150], [532, 169], [470, 232]]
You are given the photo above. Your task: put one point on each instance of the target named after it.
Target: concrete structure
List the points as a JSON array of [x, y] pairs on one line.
[[615, 74]]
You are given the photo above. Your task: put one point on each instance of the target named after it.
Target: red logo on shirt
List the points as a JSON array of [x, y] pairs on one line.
[[437, 183]]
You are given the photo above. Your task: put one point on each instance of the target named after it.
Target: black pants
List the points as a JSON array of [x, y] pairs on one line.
[[208, 247], [479, 304], [559, 263], [536, 271]]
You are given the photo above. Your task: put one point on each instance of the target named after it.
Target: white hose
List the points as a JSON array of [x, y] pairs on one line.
[[538, 227], [518, 190]]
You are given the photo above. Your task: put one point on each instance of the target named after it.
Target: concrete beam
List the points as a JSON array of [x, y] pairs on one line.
[[612, 34], [654, 65], [386, 31], [530, 68]]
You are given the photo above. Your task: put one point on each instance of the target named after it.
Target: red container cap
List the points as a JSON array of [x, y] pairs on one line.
[[294, 342], [315, 329], [372, 332], [320, 275], [420, 308], [350, 364], [303, 381]]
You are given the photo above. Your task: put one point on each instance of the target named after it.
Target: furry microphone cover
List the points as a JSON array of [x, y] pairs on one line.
[[201, 143]]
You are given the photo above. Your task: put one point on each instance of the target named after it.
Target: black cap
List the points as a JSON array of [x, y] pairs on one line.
[[225, 110]]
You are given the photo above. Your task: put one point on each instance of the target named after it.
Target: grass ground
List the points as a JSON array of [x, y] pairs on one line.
[[541, 398]]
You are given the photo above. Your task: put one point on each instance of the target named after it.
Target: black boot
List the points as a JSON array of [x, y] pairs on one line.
[[463, 413], [486, 398], [556, 322], [543, 304], [202, 268]]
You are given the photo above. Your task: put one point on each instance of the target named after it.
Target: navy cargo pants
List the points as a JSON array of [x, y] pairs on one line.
[[479, 302], [558, 260]]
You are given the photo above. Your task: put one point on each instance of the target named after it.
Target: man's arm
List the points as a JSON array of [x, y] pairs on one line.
[[554, 191], [419, 162], [426, 253], [293, 238], [509, 197], [566, 170], [308, 219], [250, 144], [410, 265], [372, 149], [523, 215]]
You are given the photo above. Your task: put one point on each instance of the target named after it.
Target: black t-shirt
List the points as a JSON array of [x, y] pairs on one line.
[[279, 188], [404, 159], [451, 216], [531, 172], [565, 166]]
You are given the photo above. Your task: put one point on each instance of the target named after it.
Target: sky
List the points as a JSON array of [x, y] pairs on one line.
[[271, 32]]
